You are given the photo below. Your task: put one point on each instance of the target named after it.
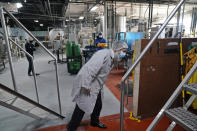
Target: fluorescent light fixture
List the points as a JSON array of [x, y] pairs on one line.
[[81, 17], [41, 24], [19, 5], [36, 21], [94, 8]]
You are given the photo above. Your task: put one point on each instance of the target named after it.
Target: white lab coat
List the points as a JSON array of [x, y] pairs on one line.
[[92, 75]]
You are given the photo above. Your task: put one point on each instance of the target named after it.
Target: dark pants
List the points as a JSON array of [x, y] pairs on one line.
[[58, 55], [78, 115], [30, 65]]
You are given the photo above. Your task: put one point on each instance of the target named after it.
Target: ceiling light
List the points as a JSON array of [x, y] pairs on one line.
[[36, 21], [67, 20], [19, 5], [94, 8], [81, 17], [41, 24]]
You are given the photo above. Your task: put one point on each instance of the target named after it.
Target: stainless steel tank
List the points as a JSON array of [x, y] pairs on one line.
[[54, 33], [121, 24]]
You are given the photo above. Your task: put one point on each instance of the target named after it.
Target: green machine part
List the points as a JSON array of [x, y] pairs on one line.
[[76, 50], [74, 66], [69, 51], [72, 49]]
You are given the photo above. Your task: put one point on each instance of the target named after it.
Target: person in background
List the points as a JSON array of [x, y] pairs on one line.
[[29, 47], [100, 39], [88, 85], [57, 46]]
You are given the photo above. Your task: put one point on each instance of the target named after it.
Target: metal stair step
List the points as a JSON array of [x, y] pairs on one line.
[[183, 117], [22, 104], [191, 88], [39, 112], [5, 96]]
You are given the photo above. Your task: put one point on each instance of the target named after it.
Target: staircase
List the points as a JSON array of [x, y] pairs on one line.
[[180, 115], [14, 100], [20, 103]]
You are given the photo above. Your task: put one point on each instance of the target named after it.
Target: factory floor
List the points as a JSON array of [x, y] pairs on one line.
[[113, 121], [13, 121]]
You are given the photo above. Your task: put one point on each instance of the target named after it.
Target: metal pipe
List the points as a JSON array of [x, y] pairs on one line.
[[34, 74], [105, 20], [138, 60], [23, 27], [178, 21], [5, 34], [183, 13], [172, 98]]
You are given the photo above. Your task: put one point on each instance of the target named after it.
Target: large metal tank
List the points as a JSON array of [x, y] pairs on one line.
[[52, 37], [121, 24], [54, 32]]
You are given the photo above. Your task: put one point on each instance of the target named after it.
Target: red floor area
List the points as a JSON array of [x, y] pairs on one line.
[[113, 125], [114, 78], [113, 121]]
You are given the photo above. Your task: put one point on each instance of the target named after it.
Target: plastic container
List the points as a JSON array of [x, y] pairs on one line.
[[76, 50], [69, 51]]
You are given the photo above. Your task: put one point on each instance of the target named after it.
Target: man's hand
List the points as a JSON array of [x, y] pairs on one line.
[[86, 91]]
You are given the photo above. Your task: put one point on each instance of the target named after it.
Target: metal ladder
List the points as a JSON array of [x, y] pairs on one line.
[[179, 115], [20, 103], [125, 77]]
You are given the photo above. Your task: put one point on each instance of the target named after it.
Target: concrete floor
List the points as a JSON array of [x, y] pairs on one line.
[[12, 121]]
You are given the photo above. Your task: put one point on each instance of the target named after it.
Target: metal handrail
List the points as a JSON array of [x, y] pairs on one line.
[[8, 48], [33, 70], [29, 100], [28, 32], [139, 59]]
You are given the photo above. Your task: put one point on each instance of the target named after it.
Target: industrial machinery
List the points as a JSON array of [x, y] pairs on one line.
[[57, 41]]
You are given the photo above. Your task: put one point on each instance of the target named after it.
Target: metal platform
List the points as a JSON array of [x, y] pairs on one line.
[[183, 117]]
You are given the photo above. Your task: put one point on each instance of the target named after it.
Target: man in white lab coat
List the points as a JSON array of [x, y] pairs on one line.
[[88, 85]]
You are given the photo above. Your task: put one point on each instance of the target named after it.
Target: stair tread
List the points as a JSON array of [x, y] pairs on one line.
[[183, 117], [191, 87], [39, 112], [5, 96], [22, 104]]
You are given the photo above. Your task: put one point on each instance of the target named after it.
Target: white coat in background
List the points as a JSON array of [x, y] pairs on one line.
[[93, 76]]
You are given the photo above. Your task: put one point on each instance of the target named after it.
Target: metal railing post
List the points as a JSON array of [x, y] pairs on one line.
[[5, 34], [28, 32], [138, 60], [58, 92], [33, 70]]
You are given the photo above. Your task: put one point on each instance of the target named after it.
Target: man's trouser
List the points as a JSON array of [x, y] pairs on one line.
[[78, 115], [30, 65]]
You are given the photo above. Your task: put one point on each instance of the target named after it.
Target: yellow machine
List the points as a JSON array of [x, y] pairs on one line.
[[191, 58]]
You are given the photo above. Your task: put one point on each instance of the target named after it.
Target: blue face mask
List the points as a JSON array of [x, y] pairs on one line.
[[122, 54]]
